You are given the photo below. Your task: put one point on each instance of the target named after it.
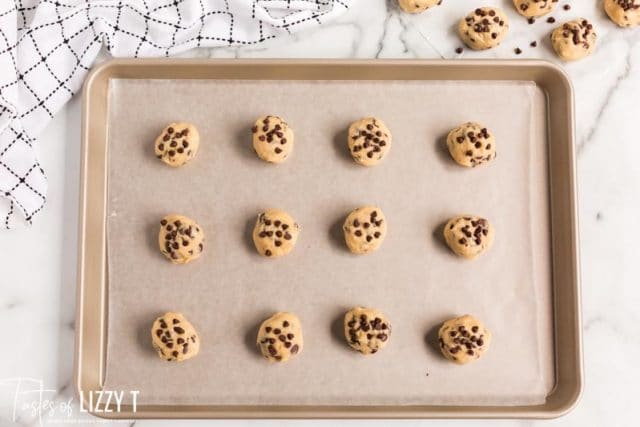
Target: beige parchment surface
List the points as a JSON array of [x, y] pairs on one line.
[[413, 278]]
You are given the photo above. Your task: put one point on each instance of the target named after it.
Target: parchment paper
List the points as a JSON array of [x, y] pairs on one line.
[[413, 278]]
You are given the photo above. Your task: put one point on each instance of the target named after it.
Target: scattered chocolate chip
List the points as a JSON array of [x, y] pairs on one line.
[[518, 51], [459, 50], [551, 20]]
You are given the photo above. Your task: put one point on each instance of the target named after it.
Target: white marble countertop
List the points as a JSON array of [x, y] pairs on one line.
[[37, 292]]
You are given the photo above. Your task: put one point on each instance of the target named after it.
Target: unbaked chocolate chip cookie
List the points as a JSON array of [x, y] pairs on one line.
[[574, 40], [369, 140], [272, 139], [463, 339], [483, 28], [468, 235], [471, 144], [174, 338], [417, 6], [367, 330], [177, 144], [365, 229], [275, 233], [180, 238], [625, 13], [534, 8], [280, 337]]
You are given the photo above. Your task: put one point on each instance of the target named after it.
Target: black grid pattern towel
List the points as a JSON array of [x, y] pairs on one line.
[[48, 46]]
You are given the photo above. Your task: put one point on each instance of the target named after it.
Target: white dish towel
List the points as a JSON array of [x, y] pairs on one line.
[[48, 46]]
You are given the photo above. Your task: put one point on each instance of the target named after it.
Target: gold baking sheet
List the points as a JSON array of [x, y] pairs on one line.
[[413, 278]]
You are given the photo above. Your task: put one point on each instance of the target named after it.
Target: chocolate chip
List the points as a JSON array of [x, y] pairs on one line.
[[267, 252], [459, 50], [170, 130], [178, 329], [551, 20], [290, 336], [294, 349], [268, 329], [278, 150], [175, 353]]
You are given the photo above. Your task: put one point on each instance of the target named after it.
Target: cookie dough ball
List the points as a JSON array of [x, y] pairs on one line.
[[174, 338], [534, 8], [275, 233], [471, 144], [181, 239], [367, 330], [574, 40], [365, 229], [468, 236], [483, 28], [280, 337], [177, 144], [625, 13], [417, 6], [369, 141], [272, 139], [463, 339]]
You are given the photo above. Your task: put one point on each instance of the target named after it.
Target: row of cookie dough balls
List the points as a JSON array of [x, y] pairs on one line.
[[486, 27], [181, 239], [369, 141], [366, 330]]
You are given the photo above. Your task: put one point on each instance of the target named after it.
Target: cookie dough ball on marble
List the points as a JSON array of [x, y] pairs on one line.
[[417, 6], [177, 144], [534, 8], [174, 338], [365, 229], [483, 28], [369, 140], [280, 337], [272, 139], [625, 13], [463, 339], [367, 330], [468, 235], [471, 144], [180, 238], [275, 233], [574, 40]]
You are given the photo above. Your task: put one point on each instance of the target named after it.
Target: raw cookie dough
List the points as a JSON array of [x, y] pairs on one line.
[[275, 233], [369, 141], [272, 139], [483, 28], [574, 39], [463, 339], [181, 239], [471, 144], [625, 13], [174, 338], [367, 330], [280, 337], [468, 235], [364, 229], [417, 6], [177, 144], [534, 8]]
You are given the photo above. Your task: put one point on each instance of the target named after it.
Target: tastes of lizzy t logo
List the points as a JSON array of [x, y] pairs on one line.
[[26, 400]]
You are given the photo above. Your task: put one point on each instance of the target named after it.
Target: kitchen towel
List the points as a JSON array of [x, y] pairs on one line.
[[47, 47]]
